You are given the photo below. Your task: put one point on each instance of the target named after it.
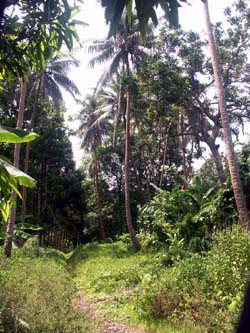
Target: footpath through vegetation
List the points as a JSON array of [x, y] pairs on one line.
[[109, 288]]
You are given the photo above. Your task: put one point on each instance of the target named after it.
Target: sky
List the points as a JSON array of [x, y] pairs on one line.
[[190, 17]]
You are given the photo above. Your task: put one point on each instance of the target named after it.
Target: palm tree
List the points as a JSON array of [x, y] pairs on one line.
[[122, 51], [48, 85], [55, 78], [230, 153], [49, 82], [92, 129], [113, 98]]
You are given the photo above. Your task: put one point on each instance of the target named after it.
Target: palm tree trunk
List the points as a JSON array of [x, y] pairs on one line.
[[98, 200], [230, 153], [131, 230], [120, 111], [183, 151], [17, 147], [27, 154], [163, 162]]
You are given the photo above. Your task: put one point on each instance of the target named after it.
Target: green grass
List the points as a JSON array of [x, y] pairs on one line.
[[37, 294], [120, 278], [199, 293]]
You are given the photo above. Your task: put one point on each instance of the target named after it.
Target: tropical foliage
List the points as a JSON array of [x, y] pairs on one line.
[[162, 183], [10, 176]]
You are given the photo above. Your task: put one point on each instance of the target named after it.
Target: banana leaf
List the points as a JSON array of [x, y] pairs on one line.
[[22, 178], [12, 135]]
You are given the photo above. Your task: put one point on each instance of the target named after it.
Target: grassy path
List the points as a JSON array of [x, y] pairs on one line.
[[105, 325], [107, 278], [110, 280]]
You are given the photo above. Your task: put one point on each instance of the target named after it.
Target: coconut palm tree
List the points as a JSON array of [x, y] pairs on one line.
[[122, 52], [49, 85], [92, 130], [230, 153], [51, 82]]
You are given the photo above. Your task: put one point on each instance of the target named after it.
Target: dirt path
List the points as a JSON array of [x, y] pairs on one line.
[[91, 311]]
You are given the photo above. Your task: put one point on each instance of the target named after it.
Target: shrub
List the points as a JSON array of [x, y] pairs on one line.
[[172, 216], [206, 289]]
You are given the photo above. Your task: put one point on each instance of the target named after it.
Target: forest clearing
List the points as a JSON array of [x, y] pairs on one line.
[[150, 232]]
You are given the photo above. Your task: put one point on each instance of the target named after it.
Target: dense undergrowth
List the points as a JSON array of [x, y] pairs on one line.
[[198, 292]]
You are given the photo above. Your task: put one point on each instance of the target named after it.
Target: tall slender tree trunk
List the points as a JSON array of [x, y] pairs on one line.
[[136, 244], [120, 111], [98, 199], [230, 153], [163, 162], [27, 154], [131, 230], [16, 160], [183, 151]]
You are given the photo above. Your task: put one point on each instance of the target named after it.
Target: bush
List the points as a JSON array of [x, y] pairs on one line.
[[172, 216], [205, 289], [36, 296]]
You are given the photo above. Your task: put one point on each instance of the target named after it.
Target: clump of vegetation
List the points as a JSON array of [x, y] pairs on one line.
[[205, 289], [38, 295]]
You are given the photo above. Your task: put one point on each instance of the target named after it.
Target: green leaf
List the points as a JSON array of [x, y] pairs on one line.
[[118, 7], [129, 11], [5, 159], [13, 135], [22, 178]]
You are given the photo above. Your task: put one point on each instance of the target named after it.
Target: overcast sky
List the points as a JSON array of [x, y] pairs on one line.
[[191, 18]]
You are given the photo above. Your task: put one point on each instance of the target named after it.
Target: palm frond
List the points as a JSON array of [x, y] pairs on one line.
[[63, 62], [109, 72], [93, 122], [67, 84], [101, 58], [52, 90]]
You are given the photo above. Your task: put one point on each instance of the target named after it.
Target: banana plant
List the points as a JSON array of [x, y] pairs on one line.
[[11, 177]]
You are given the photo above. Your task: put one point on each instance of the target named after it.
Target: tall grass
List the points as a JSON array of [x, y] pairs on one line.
[[37, 294]]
